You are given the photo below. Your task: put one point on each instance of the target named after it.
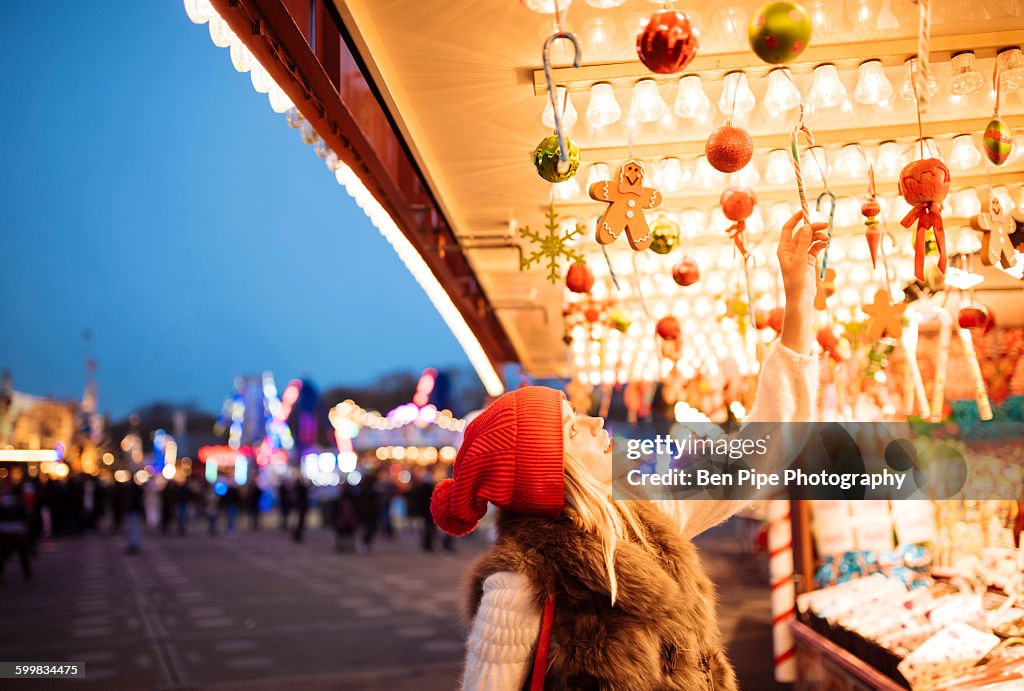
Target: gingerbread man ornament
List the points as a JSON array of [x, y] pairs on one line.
[[626, 197], [886, 318], [996, 228]]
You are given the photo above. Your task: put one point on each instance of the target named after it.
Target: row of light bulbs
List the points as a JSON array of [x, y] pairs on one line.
[[827, 91], [672, 175]]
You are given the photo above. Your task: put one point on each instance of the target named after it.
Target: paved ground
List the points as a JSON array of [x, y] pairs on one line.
[[259, 612]]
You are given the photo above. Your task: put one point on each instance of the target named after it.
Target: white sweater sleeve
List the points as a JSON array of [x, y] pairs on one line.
[[787, 392], [500, 648]]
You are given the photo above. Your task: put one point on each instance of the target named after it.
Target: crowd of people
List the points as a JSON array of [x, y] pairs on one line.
[[33, 507]]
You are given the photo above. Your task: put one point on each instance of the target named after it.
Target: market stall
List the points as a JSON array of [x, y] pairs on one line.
[[595, 189]]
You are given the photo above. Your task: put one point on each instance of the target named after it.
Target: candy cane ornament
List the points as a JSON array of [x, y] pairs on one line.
[[783, 592]]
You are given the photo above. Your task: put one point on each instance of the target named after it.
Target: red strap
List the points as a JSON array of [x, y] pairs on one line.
[[540, 661]]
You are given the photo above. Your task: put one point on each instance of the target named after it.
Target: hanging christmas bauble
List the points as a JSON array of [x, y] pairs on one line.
[[664, 235], [686, 272], [997, 141], [761, 318], [667, 43], [738, 203], [827, 338], [973, 316], [870, 208], [924, 182], [592, 314], [546, 159], [729, 148], [620, 320], [668, 328], [780, 31], [580, 278], [775, 318]]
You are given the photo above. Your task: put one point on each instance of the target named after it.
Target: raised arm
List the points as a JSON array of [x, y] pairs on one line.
[[788, 385]]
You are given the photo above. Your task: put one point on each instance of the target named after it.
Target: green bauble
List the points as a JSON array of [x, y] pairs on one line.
[[664, 235], [780, 31], [546, 159]]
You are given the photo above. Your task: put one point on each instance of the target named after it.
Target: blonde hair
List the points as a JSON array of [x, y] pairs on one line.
[[593, 510]]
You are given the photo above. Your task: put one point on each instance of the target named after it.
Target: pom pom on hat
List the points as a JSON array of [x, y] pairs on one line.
[[441, 509]]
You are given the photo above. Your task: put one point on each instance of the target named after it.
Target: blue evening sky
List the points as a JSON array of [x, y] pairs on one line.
[[150, 195]]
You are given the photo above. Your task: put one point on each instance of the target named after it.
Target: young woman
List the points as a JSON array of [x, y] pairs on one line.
[[613, 591]]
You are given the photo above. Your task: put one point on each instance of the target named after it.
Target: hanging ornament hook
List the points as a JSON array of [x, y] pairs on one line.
[[563, 152]]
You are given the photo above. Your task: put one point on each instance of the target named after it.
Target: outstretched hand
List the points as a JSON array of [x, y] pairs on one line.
[[798, 254]]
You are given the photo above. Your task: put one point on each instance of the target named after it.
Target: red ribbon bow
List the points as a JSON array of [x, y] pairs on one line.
[[927, 215]]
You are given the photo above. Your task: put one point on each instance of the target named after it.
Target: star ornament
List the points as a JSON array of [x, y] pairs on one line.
[[886, 318], [995, 228], [553, 246]]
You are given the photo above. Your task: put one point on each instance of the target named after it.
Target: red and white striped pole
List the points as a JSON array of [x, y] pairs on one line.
[[780, 569]]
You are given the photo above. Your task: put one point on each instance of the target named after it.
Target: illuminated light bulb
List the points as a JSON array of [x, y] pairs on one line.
[[907, 87], [241, 58], [567, 190], [779, 213], [966, 79], [691, 101], [782, 94], [821, 18], [647, 104], [737, 98], [671, 175], [599, 37], [706, 176], [598, 173], [1011, 75], [872, 84], [200, 11], [927, 148], [1017, 152], [691, 222], [294, 118], [220, 33], [890, 160], [779, 170], [847, 214], [605, 4], [603, 109], [747, 176], [567, 111], [279, 101], [731, 25], [827, 90], [547, 6], [851, 163], [814, 164], [964, 155], [261, 81]]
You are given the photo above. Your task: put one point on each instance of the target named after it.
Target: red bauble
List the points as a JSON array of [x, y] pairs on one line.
[[592, 314], [827, 339], [923, 182], [668, 328], [775, 318], [580, 278], [686, 272], [761, 318], [729, 148], [974, 317], [738, 203], [870, 208], [668, 42]]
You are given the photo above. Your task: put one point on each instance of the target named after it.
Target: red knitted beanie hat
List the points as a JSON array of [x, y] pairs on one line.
[[511, 456]]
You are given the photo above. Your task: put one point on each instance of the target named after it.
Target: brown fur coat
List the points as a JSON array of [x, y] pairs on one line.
[[662, 632]]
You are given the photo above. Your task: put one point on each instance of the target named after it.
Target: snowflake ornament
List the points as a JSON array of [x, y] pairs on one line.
[[553, 246]]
